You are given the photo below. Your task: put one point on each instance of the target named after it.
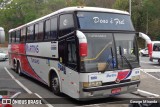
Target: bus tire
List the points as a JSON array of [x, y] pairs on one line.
[[19, 69], [55, 86]]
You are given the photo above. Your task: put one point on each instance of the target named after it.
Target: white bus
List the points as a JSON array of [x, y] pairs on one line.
[[84, 52], [2, 35]]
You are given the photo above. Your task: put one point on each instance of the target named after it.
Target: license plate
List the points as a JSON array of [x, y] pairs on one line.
[[115, 90]]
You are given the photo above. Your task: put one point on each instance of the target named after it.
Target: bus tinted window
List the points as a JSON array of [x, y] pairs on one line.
[[18, 34], [104, 21], [23, 34], [53, 28], [72, 58], [36, 31], [40, 31], [66, 24], [30, 33], [10, 38], [13, 36], [47, 29]]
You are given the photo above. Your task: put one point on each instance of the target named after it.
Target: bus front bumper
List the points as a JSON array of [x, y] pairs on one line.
[[106, 91], [111, 86]]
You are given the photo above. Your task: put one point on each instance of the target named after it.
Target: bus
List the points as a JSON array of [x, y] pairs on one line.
[[155, 56], [83, 52], [2, 35]]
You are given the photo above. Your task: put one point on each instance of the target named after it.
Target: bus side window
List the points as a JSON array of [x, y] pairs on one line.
[[23, 34], [10, 38], [13, 36], [53, 28], [40, 31], [62, 51], [36, 31], [72, 58], [18, 34], [66, 24], [30, 33], [47, 29]]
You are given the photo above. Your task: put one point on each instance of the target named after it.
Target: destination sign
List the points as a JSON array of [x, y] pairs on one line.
[[104, 21]]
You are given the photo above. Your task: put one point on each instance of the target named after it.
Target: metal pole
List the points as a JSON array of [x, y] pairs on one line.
[[130, 7]]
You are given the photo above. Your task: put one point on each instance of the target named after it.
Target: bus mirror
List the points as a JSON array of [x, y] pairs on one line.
[[83, 48], [2, 35]]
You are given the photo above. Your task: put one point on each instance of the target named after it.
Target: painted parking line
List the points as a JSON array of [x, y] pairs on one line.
[[150, 70], [18, 82], [25, 88], [149, 93]]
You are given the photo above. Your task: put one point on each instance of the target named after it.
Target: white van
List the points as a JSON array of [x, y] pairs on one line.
[[2, 35], [155, 57]]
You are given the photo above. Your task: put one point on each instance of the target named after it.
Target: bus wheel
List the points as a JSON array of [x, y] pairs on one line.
[[19, 69], [55, 85]]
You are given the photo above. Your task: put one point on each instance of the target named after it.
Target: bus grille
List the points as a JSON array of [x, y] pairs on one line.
[[112, 83]]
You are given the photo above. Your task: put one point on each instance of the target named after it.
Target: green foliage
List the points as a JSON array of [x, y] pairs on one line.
[[121, 5], [145, 15]]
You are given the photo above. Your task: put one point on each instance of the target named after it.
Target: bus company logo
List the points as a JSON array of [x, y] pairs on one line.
[[32, 48], [111, 75], [115, 21], [62, 68], [122, 75], [117, 80], [93, 77]]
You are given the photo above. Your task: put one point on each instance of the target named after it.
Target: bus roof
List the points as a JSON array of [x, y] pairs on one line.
[[72, 9]]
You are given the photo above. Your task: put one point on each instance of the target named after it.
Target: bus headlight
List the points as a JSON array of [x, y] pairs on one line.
[[134, 78], [92, 84]]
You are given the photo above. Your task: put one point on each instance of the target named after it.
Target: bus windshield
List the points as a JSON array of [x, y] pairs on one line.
[[104, 52], [108, 51], [104, 21], [126, 44]]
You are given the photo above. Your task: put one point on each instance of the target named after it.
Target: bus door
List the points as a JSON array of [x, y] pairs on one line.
[[73, 76], [62, 64], [68, 59], [67, 53]]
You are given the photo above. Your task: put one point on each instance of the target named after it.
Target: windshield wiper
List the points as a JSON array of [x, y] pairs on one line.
[[113, 62], [120, 52]]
